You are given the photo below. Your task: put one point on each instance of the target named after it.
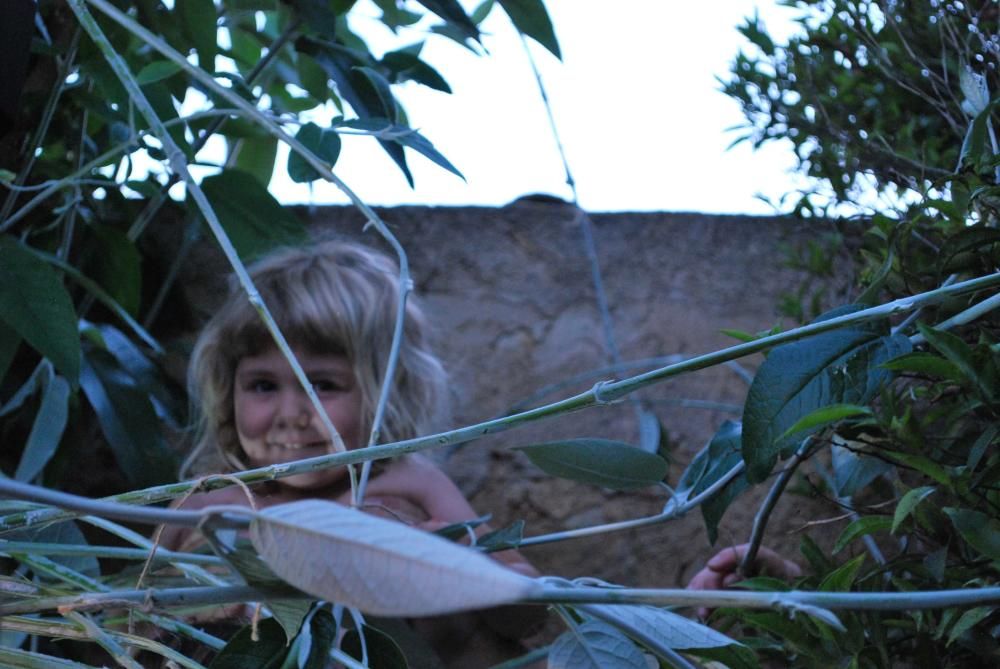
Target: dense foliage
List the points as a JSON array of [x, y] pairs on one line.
[[891, 107], [892, 399]]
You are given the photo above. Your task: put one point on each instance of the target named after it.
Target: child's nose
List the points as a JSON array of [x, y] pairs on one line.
[[295, 410]]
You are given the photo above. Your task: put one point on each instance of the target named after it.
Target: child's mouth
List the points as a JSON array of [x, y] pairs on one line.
[[298, 446]]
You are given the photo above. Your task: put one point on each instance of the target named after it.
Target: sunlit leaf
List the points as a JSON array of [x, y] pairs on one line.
[[595, 645], [376, 565], [35, 304], [601, 462]]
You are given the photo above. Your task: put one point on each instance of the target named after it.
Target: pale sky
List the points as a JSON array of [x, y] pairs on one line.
[[636, 103]]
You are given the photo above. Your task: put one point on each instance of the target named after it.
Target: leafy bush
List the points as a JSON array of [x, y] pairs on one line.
[[897, 393]]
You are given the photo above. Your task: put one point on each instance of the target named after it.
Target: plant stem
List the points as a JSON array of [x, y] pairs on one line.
[[748, 564], [672, 510], [547, 594], [179, 165], [116, 552], [600, 394], [62, 72], [405, 283]]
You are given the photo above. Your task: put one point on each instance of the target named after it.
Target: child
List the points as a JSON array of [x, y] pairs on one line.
[[336, 304]]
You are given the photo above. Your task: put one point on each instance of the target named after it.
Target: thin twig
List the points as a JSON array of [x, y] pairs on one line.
[[601, 394], [747, 565], [177, 162]]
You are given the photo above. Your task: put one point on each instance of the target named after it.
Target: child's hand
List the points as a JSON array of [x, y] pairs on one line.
[[722, 570]]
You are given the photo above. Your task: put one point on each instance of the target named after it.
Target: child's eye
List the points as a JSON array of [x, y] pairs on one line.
[[261, 386], [327, 386]]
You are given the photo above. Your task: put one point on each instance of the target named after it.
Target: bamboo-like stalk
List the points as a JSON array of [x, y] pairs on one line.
[[602, 393], [179, 165], [547, 594], [405, 282]]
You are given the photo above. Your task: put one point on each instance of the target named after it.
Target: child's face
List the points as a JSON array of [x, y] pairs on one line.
[[275, 420]]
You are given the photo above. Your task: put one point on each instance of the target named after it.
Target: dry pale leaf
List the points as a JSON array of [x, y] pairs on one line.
[[379, 566]]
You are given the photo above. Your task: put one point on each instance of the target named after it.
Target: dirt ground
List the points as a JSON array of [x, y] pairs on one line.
[[510, 294]]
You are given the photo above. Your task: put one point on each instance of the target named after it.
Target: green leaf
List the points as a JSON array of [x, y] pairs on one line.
[[921, 362], [68, 533], [11, 658], [842, 578], [198, 20], [119, 267], [974, 146], [311, 649], [242, 652], [531, 19], [979, 530], [325, 143], [609, 464], [454, 15], [35, 305], [853, 470], [719, 456], [253, 219], [979, 447], [595, 645], [860, 528], [408, 66], [925, 466], [9, 343], [959, 354], [969, 619], [908, 503], [378, 89], [382, 650], [825, 416], [312, 77], [504, 538], [837, 367], [319, 16], [127, 419], [256, 156], [158, 70], [47, 430]]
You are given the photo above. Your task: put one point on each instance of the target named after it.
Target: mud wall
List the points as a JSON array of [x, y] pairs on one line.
[[510, 294]]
